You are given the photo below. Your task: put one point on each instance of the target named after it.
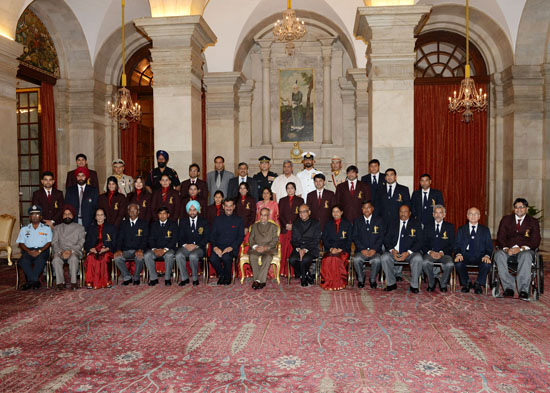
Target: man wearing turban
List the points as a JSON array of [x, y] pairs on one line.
[[153, 179], [82, 197]]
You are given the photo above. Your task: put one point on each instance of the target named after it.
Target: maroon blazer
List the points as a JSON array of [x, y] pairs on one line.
[[246, 210], [352, 205], [92, 180], [212, 213], [528, 234], [321, 212], [203, 188], [116, 210], [51, 210], [144, 202], [288, 212], [172, 202], [183, 212]]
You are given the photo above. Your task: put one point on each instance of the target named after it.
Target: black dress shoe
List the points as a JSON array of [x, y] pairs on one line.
[[127, 282], [184, 282], [36, 285], [136, 282], [443, 289], [255, 284], [304, 282], [398, 278], [262, 285], [373, 284], [524, 295], [477, 289], [195, 282], [168, 283], [431, 289], [221, 281], [310, 279], [26, 286], [152, 283], [60, 287], [227, 281], [360, 284], [508, 293], [390, 287], [465, 289], [413, 290]]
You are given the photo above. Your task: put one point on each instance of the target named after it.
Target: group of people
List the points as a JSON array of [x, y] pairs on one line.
[[315, 218]]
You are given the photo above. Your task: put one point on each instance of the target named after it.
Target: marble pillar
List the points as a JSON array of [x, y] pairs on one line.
[[390, 33], [363, 145], [326, 50], [546, 152], [265, 50], [177, 63]]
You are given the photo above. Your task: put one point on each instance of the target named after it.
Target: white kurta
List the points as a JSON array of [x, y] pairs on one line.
[[279, 186]]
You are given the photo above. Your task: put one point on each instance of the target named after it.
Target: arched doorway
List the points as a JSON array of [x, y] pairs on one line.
[[452, 152]]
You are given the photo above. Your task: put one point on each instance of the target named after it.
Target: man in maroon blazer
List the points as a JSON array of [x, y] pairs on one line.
[[194, 173], [519, 237], [351, 194], [320, 200], [82, 160], [50, 200]]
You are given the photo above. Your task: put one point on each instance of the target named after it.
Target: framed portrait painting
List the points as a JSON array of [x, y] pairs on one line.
[[296, 104]]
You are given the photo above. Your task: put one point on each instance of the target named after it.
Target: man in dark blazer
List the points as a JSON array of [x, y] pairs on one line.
[[131, 244], [404, 241], [194, 173], [438, 248], [473, 246], [424, 199], [83, 198], [193, 237], [519, 237], [163, 236], [82, 162], [306, 235], [374, 179], [320, 201], [351, 193], [391, 197], [234, 183], [218, 179], [227, 236], [50, 200], [368, 236]]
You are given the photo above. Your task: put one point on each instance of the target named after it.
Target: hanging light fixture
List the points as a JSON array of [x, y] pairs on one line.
[[123, 110], [289, 28], [469, 100]]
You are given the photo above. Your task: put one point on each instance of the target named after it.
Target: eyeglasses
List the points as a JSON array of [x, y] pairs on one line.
[[520, 207]]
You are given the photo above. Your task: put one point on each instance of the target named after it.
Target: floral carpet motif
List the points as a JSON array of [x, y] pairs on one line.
[[280, 339]]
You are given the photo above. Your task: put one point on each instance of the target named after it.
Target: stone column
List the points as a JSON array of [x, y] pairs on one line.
[[390, 32], [546, 150], [178, 43], [222, 117], [265, 49], [363, 145], [326, 50], [245, 114]]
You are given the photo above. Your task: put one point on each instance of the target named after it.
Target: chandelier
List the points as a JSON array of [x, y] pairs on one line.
[[288, 29], [469, 100], [123, 110]]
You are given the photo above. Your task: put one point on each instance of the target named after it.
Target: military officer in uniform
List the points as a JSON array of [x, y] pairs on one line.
[[265, 177], [337, 175], [125, 182], [263, 243], [153, 180], [307, 174]]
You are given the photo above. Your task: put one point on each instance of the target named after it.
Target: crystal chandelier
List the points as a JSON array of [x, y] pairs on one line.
[[123, 110], [288, 29], [469, 100]]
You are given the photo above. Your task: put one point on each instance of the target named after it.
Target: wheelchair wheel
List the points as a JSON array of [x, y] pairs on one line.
[[541, 275], [496, 290]]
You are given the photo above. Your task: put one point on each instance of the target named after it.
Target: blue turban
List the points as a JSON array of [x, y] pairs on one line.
[[162, 153], [193, 203]]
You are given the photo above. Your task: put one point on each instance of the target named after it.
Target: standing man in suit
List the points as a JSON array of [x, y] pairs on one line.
[[227, 236], [519, 237], [263, 243], [265, 177], [424, 199], [473, 247], [391, 197], [83, 198], [373, 178], [50, 200], [163, 236], [279, 184], [351, 194], [234, 183], [218, 179], [194, 173], [368, 236], [193, 237], [153, 180], [131, 244], [306, 236], [404, 241], [337, 175], [438, 248], [320, 201], [82, 162], [308, 173]]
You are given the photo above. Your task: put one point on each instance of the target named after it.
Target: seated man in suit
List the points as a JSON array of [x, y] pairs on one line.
[[82, 162], [320, 200], [404, 241], [163, 236], [351, 193], [50, 200], [519, 237], [368, 236], [306, 235], [131, 244], [373, 179], [473, 246], [424, 200], [263, 243], [194, 173], [218, 179], [233, 187], [438, 248], [193, 236], [83, 198], [227, 236]]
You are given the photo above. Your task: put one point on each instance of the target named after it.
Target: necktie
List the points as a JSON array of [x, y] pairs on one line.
[[193, 225], [162, 225], [374, 180], [80, 197], [218, 179], [389, 192], [242, 180], [425, 200], [403, 229], [319, 199], [518, 225], [352, 190], [49, 196], [402, 235], [368, 223], [473, 233], [437, 230], [471, 241], [132, 224]]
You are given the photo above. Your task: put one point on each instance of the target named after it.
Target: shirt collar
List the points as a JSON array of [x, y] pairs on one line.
[[133, 221], [519, 218], [427, 191], [163, 222]]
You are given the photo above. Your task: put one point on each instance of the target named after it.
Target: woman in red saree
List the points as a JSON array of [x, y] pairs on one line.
[[268, 202], [337, 245], [288, 212], [99, 244]]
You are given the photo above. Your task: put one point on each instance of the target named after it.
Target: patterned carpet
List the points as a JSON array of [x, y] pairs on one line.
[[281, 339]]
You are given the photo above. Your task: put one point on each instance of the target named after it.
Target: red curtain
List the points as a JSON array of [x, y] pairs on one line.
[[452, 152], [128, 145], [48, 143]]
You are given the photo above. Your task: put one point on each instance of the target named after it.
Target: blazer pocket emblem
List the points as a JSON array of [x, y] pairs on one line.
[[108, 237], [116, 205], [445, 237], [55, 205], [144, 204], [168, 234], [400, 199], [139, 233], [412, 233], [343, 234], [171, 201], [201, 230], [360, 195], [248, 205], [527, 233], [375, 232], [433, 202], [296, 209], [326, 204]]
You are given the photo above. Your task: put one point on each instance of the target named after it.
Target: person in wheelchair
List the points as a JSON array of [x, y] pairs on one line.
[[518, 236]]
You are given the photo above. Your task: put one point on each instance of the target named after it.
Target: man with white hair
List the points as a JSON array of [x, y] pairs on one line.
[[279, 184], [308, 173]]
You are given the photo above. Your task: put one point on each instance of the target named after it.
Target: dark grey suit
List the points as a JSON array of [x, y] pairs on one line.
[[224, 184]]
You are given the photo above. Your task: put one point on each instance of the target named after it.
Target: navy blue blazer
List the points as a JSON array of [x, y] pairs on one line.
[[199, 236], [163, 237], [89, 203], [388, 208], [369, 237], [411, 239], [481, 243], [422, 213], [227, 231], [108, 234], [340, 239], [444, 241], [374, 187], [133, 238]]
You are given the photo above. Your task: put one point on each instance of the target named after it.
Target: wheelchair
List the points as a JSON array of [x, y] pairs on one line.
[[536, 285]]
